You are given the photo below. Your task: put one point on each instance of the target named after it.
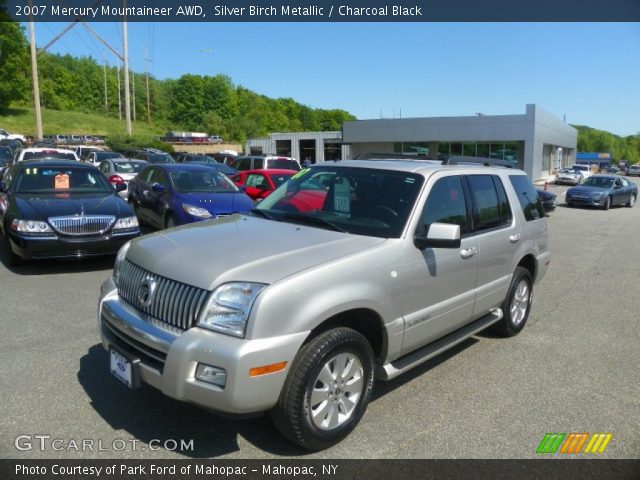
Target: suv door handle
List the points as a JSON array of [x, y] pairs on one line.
[[514, 238], [468, 252]]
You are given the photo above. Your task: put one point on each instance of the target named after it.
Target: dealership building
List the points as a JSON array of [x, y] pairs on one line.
[[537, 142]]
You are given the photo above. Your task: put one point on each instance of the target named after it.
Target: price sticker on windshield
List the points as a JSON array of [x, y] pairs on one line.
[[61, 181]]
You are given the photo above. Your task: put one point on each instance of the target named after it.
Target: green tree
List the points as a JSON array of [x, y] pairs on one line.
[[14, 64]]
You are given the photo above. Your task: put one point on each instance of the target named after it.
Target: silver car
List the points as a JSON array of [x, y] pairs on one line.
[[121, 170], [351, 271]]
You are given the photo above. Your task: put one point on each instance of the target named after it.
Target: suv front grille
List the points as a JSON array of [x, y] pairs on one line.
[[174, 303], [82, 225]]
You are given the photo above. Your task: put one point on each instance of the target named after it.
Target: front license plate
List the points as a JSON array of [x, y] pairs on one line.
[[121, 368]]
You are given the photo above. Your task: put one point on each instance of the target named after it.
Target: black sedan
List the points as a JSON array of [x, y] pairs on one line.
[[549, 200], [603, 191], [62, 209]]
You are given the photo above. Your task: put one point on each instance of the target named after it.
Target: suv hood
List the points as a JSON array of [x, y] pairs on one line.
[[241, 248]]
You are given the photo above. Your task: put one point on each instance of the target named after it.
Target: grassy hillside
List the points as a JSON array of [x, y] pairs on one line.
[[22, 120]]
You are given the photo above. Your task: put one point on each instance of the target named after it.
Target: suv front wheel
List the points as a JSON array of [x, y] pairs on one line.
[[327, 390]]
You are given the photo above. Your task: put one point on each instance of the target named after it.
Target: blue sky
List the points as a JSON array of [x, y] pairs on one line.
[[589, 72]]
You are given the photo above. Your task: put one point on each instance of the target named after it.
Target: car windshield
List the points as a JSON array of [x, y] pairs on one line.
[[283, 164], [362, 201], [106, 155], [201, 181], [61, 180], [49, 154], [128, 167], [602, 182], [580, 167]]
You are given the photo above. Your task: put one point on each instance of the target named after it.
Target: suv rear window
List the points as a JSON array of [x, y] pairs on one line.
[[283, 164], [528, 197]]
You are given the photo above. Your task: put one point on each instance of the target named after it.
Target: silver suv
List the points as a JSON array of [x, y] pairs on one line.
[[349, 272]]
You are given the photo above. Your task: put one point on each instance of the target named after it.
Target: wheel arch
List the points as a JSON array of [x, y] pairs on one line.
[[531, 264], [365, 321]]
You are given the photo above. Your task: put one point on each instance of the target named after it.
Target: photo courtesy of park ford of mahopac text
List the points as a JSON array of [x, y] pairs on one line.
[[319, 239]]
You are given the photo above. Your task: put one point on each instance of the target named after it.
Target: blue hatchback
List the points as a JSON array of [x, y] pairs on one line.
[[165, 195]]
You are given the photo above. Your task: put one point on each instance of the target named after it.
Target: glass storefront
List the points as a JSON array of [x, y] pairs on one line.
[[510, 151]]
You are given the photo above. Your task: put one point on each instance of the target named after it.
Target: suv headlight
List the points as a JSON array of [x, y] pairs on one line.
[[122, 254], [228, 307]]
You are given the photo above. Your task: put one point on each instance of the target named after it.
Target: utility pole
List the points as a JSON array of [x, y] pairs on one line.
[[125, 53], [119, 94], [106, 98], [133, 84], [34, 76], [146, 74]]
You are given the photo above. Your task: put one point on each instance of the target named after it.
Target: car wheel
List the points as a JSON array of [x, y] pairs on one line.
[[517, 304], [327, 389], [170, 221], [632, 200], [607, 203]]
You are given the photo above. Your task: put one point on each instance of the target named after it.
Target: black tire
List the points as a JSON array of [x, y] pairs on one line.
[[607, 204], [514, 319], [632, 201], [293, 414]]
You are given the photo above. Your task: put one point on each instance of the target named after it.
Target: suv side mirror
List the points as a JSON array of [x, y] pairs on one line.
[[120, 187], [158, 187], [440, 235]]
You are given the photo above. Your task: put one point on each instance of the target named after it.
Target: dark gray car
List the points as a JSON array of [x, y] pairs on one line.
[[603, 191]]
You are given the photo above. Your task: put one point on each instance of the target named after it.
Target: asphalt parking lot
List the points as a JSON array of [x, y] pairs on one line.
[[573, 369]]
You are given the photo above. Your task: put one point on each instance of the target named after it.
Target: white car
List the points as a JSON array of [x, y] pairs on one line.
[[121, 170], [11, 136], [43, 152], [585, 170]]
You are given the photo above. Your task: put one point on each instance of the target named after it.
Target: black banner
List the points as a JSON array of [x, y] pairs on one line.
[[320, 469], [324, 10]]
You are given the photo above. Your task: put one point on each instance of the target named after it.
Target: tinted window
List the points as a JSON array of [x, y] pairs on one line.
[[157, 176], [446, 204], [527, 196], [105, 155], [160, 158], [283, 164], [258, 163], [490, 206], [243, 164], [280, 179]]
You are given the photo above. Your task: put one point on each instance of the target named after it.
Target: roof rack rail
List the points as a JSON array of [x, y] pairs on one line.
[[487, 162], [392, 156]]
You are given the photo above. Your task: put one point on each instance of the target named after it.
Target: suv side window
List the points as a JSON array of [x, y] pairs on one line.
[[157, 177], [528, 197], [446, 203], [258, 163], [490, 205], [243, 164]]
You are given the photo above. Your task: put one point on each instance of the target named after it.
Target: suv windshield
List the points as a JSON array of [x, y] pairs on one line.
[[61, 180], [355, 200], [160, 158]]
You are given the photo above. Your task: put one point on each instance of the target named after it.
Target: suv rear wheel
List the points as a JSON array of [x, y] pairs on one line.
[[327, 390], [517, 304]]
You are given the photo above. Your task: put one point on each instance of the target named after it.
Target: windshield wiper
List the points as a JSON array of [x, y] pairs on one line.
[[319, 221], [262, 213]]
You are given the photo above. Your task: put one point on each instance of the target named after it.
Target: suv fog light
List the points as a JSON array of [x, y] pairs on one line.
[[213, 375]]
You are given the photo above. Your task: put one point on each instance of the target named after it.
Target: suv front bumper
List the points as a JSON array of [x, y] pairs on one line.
[[169, 357]]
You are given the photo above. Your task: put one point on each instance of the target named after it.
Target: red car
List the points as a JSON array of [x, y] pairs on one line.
[[260, 183]]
